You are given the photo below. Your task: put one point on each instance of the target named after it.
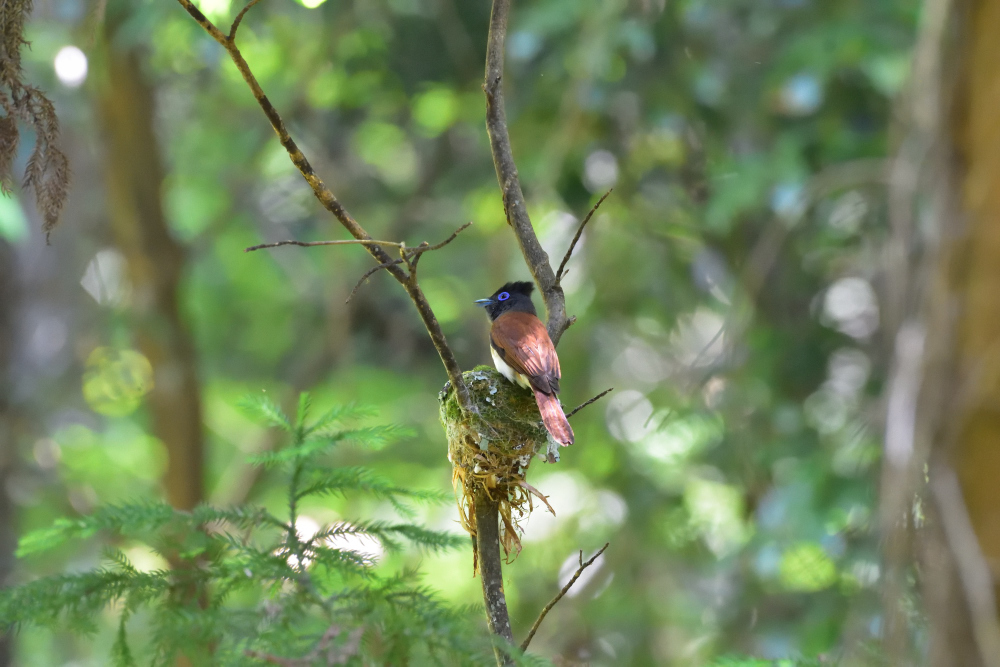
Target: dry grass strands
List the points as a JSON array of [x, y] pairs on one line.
[[491, 452]]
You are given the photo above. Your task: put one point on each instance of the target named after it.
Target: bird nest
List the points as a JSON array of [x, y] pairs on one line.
[[490, 452]]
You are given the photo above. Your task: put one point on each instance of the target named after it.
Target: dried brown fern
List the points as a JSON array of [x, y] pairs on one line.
[[47, 170]]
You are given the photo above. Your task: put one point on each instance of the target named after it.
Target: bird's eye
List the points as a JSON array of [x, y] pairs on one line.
[[503, 296]]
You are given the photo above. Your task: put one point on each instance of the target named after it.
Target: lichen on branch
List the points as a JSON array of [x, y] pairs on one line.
[[47, 169]]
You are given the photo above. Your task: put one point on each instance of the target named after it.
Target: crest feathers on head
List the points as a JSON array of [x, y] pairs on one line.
[[519, 287]]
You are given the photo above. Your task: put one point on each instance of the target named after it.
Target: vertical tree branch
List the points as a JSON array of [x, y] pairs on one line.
[[487, 514], [491, 571], [510, 183]]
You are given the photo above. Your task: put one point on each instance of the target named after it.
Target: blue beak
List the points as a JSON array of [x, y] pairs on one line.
[[483, 302]]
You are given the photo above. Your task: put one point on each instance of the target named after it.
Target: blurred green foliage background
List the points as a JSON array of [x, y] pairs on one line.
[[733, 468]]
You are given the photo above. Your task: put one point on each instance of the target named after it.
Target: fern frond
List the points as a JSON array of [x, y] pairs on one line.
[[121, 654], [372, 437], [242, 579], [262, 409], [132, 519], [338, 415], [118, 557], [339, 481], [432, 540], [386, 534], [302, 413], [244, 518], [342, 561], [77, 598]]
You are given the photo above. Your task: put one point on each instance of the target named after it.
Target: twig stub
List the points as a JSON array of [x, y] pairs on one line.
[[586, 403]]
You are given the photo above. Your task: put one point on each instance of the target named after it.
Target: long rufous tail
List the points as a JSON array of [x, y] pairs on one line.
[[554, 418]]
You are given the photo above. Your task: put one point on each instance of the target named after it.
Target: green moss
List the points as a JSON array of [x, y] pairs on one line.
[[508, 424]]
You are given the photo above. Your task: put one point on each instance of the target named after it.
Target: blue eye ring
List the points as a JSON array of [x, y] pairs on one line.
[[503, 296]]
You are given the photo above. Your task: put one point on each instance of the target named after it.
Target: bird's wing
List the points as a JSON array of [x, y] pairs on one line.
[[524, 344]]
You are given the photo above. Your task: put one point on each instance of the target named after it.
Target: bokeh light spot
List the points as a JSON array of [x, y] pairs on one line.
[[116, 380], [806, 568], [71, 66], [435, 111]]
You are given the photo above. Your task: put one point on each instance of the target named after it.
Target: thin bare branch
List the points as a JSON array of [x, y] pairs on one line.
[[559, 596], [368, 274], [576, 238], [593, 400], [333, 205], [416, 253], [510, 184], [309, 244], [423, 247], [239, 19]]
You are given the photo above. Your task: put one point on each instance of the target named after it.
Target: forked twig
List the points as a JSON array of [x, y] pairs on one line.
[[423, 247], [239, 19], [576, 238], [594, 399], [415, 253], [560, 594]]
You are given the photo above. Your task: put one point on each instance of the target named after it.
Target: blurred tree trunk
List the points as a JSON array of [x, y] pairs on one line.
[[8, 540], [155, 262], [960, 549], [977, 135]]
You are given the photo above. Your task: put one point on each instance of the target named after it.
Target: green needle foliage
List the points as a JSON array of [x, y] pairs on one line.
[[244, 587]]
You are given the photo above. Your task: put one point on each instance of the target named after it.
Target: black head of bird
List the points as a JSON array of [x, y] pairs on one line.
[[523, 352]]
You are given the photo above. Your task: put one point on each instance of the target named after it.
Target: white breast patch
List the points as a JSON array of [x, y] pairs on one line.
[[507, 371]]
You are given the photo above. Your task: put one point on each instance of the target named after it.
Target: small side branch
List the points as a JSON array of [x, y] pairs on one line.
[[419, 250], [423, 247], [560, 594], [239, 19], [368, 274], [593, 400], [576, 238], [310, 244]]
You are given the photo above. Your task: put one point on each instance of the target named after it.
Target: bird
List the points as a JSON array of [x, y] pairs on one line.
[[523, 352]]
